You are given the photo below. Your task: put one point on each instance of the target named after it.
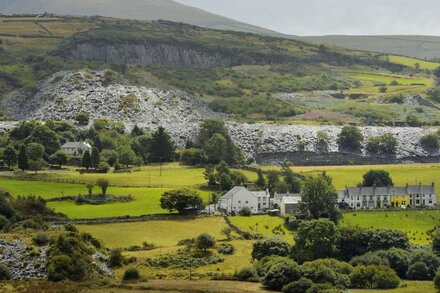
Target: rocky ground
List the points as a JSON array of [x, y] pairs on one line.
[[23, 261], [65, 94]]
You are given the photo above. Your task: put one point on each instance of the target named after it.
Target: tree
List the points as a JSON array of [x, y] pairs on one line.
[[261, 181], [215, 149], [126, 156], [103, 184], [110, 156], [47, 137], [437, 280], [82, 118], [5, 273], [35, 151], [319, 198], [292, 181], [209, 175], [162, 147], [273, 178], [209, 127], [180, 200], [429, 259], [36, 165], [192, 157], [378, 178], [10, 156], [141, 145], [89, 187], [434, 94], [137, 131], [86, 160], [281, 274], [268, 247], [227, 231], [204, 241], [22, 158], [418, 271], [59, 157], [315, 239], [116, 258], [351, 138], [95, 158], [300, 286]]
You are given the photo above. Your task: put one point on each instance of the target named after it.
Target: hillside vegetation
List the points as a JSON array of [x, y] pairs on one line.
[[228, 69]]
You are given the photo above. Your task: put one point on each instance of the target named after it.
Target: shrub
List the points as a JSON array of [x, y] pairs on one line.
[[115, 258], [268, 247], [226, 248], [384, 144], [246, 274], [204, 241], [430, 141], [292, 223], [41, 239], [280, 275], [418, 271], [4, 222], [62, 267], [431, 260], [374, 277], [131, 274], [246, 212], [192, 157], [437, 280], [329, 271], [5, 273], [370, 258], [300, 286], [266, 263], [323, 288], [351, 138]]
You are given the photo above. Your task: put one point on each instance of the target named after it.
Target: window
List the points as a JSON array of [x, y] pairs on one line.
[[239, 201], [247, 202]]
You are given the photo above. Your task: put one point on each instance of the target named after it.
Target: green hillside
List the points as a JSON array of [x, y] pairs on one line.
[[259, 69], [138, 9], [422, 47]]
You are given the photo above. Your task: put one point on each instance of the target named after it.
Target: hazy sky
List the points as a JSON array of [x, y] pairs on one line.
[[321, 17]]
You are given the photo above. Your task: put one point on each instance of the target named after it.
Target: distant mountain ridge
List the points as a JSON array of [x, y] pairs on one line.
[[421, 47], [131, 9]]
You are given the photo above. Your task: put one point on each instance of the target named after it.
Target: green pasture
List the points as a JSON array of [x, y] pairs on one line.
[[163, 233], [411, 62], [262, 224], [145, 200], [415, 223], [171, 175]]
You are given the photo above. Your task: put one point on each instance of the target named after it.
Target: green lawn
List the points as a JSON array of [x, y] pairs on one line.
[[414, 223]]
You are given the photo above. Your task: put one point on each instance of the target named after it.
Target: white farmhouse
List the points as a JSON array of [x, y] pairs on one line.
[[240, 197], [76, 148], [290, 205]]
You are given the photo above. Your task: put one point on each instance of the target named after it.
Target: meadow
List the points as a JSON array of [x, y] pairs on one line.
[[264, 225], [411, 62]]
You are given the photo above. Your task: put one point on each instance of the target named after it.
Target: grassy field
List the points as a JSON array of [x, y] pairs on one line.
[[171, 175], [165, 235], [411, 62], [415, 223], [262, 224]]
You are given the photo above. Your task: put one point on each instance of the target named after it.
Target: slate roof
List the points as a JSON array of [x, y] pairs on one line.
[[75, 144], [410, 189], [291, 199]]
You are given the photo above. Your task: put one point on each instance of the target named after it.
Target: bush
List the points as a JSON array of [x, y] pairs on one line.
[[115, 258], [384, 144], [41, 239], [62, 267], [265, 264], [246, 274], [226, 248], [5, 273], [370, 258], [245, 212], [280, 275], [268, 247], [204, 241], [418, 271], [430, 142], [374, 277], [131, 274], [323, 288], [350, 138], [437, 280], [329, 271], [300, 286], [431, 260], [192, 157]]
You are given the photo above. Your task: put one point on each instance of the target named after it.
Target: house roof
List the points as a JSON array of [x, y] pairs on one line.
[[291, 199], [241, 190], [75, 144], [410, 189]]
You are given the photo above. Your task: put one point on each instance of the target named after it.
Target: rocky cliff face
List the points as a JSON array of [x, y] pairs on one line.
[[147, 53], [65, 94]]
